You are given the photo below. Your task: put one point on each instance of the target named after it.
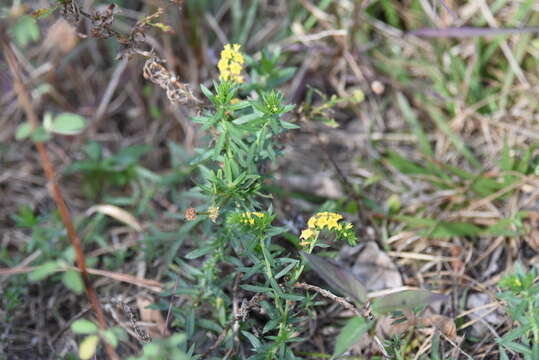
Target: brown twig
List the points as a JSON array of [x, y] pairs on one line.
[[327, 294], [24, 100], [367, 311]]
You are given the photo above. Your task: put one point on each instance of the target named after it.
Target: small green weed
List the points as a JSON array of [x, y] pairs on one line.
[[521, 294]]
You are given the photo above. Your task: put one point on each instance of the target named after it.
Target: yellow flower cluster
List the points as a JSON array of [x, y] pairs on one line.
[[324, 220], [248, 217], [231, 63], [321, 221]]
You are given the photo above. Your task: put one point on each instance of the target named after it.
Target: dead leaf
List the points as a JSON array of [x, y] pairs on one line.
[[119, 214], [441, 323], [478, 300], [388, 326], [62, 36], [151, 316], [376, 269]]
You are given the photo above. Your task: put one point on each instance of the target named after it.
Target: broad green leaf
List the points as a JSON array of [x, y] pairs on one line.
[[405, 300], [40, 135], [151, 351], [110, 337], [44, 270], [88, 347], [83, 326], [337, 277], [67, 124], [23, 131], [25, 30], [73, 280], [354, 329]]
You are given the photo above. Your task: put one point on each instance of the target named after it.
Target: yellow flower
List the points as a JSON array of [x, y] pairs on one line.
[[231, 63], [235, 68], [327, 220], [247, 217], [324, 220], [307, 234]]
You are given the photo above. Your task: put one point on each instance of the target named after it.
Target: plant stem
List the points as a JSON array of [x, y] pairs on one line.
[[54, 189]]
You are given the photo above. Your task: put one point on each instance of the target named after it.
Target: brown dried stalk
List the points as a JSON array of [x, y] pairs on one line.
[[24, 99]]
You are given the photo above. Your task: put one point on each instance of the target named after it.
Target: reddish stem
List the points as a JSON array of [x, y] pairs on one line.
[[24, 99]]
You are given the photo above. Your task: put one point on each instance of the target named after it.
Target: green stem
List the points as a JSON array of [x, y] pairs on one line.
[[299, 270], [531, 314]]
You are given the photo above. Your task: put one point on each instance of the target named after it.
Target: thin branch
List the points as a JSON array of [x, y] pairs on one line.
[[24, 100]]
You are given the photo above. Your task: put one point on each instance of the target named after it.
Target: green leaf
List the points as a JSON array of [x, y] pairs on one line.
[[110, 337], [23, 131], [73, 280], [40, 135], [83, 326], [414, 123], [257, 289], [88, 347], [337, 277], [199, 252], [44, 270], [453, 137], [354, 329], [67, 124], [25, 30], [289, 126], [252, 339], [206, 92], [246, 118], [405, 300]]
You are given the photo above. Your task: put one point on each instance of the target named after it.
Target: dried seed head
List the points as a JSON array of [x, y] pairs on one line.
[[176, 91], [71, 11], [190, 214]]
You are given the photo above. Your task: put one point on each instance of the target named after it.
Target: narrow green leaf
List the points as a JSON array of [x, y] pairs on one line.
[[457, 141], [257, 289], [415, 125], [354, 329], [44, 270], [252, 339], [199, 252]]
